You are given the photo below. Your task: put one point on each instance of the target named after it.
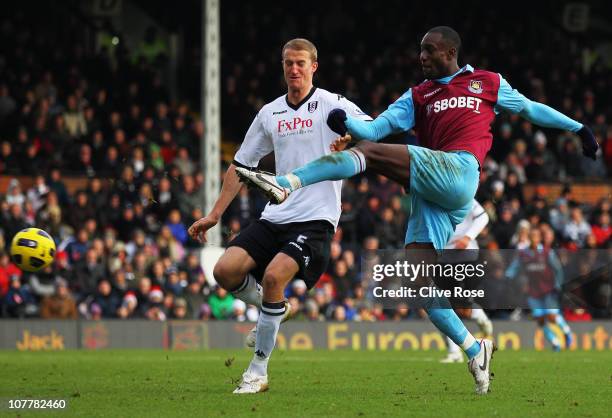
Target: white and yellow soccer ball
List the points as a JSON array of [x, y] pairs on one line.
[[32, 249]]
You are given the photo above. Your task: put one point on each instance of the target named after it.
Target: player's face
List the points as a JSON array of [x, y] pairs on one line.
[[299, 69], [436, 57], [536, 237]]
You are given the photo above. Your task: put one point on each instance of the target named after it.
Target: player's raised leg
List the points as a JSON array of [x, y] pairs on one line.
[[279, 272], [390, 160]]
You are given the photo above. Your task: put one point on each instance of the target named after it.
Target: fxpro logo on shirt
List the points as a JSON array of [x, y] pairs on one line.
[[295, 126]]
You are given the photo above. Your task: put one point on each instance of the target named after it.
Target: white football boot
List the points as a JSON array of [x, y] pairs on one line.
[[265, 182], [252, 384], [480, 366], [251, 337]]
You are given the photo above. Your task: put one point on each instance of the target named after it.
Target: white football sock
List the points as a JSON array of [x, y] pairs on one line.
[[249, 291], [267, 329]]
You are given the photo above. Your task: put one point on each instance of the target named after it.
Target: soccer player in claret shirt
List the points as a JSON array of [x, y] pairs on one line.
[[544, 274], [290, 240], [451, 112]]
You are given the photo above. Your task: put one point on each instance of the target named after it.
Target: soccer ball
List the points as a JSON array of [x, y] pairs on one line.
[[32, 249]]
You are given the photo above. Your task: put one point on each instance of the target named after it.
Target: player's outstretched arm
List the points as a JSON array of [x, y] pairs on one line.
[[546, 116], [229, 190], [399, 117], [542, 115]]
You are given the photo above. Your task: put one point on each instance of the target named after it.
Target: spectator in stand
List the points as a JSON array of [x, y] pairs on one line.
[[84, 163], [106, 299], [18, 301], [42, 283], [560, 215], [111, 165], [56, 184], [80, 211], [570, 160], [179, 310], [602, 230], [368, 216], [126, 186], [166, 199], [173, 282], [168, 147], [189, 197], [36, 195], [577, 229], [76, 126], [60, 305], [9, 164], [87, 273], [505, 227], [12, 221], [221, 303], [195, 299], [177, 227], [542, 164], [77, 247], [169, 246], [155, 309], [386, 230], [7, 270], [128, 307], [14, 194], [185, 164]]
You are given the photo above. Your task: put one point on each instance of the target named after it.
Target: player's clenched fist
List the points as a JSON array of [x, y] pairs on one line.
[[336, 121], [340, 143], [197, 231]]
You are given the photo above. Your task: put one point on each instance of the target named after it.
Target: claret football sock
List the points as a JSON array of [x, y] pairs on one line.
[[336, 166], [267, 329], [249, 291]]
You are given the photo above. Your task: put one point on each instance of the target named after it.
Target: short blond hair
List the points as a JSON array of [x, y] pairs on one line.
[[301, 44]]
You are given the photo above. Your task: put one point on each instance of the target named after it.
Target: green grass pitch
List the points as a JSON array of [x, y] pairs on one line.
[[126, 383]]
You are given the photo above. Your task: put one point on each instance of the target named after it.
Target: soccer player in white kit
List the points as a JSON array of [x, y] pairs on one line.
[[464, 238], [293, 239]]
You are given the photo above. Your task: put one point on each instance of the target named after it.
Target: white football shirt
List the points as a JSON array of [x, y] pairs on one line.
[[298, 135]]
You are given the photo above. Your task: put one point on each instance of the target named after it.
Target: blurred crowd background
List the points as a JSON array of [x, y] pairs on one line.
[[105, 115]]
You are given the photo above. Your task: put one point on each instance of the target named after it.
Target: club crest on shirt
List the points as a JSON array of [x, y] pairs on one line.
[[475, 86], [312, 106]]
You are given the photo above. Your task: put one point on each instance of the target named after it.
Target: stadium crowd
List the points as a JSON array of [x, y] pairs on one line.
[[123, 248]]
